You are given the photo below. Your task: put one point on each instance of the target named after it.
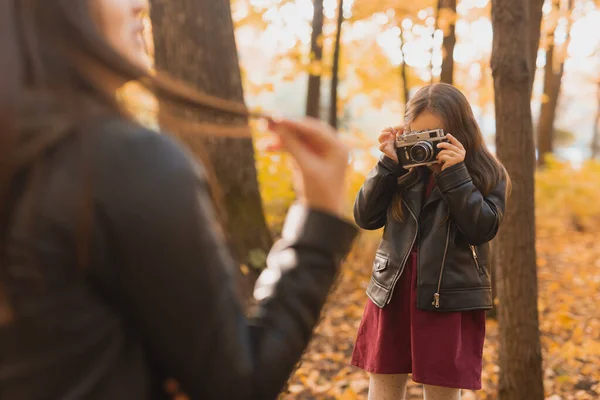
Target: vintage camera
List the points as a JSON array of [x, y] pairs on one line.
[[419, 148]]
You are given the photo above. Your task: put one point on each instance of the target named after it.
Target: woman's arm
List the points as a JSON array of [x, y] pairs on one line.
[[478, 217], [175, 276], [375, 195]]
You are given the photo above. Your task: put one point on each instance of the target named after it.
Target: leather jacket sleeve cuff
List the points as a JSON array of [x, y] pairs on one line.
[[391, 166], [453, 177], [318, 229]]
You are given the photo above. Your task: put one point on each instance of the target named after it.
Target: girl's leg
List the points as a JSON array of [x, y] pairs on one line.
[[387, 387], [440, 393]]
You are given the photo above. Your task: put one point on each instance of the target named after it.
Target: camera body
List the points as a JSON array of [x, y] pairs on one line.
[[416, 149]]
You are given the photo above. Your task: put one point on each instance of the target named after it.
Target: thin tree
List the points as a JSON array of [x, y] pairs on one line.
[[404, 69], [535, 30], [553, 73], [335, 75], [596, 137], [516, 271], [446, 20], [313, 97], [194, 41]]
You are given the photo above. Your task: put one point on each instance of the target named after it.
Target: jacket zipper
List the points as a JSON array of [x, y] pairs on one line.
[[408, 252], [436, 295], [475, 257]]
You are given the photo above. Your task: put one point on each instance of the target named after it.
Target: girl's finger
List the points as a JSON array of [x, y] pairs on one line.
[[444, 158], [455, 141], [449, 153], [399, 129], [449, 146], [384, 137]]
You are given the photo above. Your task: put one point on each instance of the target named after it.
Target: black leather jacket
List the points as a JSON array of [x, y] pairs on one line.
[[157, 299], [452, 230]]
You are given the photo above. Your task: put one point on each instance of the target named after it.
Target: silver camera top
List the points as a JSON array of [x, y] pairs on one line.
[[411, 138]]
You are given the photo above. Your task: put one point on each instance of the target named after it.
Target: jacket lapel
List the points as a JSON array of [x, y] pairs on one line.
[[435, 195], [413, 195]]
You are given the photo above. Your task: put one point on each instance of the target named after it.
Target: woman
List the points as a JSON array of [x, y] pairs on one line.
[[431, 279], [113, 273]]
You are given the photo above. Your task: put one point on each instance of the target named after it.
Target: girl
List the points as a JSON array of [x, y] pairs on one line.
[[430, 284], [113, 271]]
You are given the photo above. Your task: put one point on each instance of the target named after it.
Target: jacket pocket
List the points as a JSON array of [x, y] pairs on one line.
[[380, 263], [475, 256]]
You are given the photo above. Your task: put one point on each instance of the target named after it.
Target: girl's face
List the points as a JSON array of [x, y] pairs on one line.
[[122, 22], [424, 122]]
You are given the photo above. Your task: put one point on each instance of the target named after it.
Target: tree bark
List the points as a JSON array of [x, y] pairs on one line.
[[520, 350], [335, 77], [194, 41], [403, 71], [447, 8], [596, 137], [313, 98]]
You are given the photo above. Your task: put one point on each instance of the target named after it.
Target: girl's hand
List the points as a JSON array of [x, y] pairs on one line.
[[387, 141], [321, 161], [453, 153]]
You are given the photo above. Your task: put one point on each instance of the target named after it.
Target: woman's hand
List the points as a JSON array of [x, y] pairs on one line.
[[320, 158], [387, 141], [453, 153]]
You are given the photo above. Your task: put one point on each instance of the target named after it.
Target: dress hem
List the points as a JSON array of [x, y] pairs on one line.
[[425, 381], [419, 380], [373, 370]]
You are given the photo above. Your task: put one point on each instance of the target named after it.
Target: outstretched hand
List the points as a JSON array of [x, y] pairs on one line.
[[320, 159]]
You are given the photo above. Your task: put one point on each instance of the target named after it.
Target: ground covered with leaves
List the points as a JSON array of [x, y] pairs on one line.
[[569, 304]]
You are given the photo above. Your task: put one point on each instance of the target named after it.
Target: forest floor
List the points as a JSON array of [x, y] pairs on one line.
[[569, 305]]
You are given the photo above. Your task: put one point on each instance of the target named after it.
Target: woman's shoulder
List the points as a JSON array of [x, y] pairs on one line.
[[115, 135], [119, 144], [130, 161]]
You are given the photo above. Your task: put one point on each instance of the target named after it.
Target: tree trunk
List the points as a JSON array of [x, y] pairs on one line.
[[447, 10], [194, 41], [596, 137], [403, 71], [313, 98], [552, 80], [552, 84], [535, 25], [520, 351], [333, 103]]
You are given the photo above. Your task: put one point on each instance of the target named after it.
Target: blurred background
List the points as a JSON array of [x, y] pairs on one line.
[[355, 63]]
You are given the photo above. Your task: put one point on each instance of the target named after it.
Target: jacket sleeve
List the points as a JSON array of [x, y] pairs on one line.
[[375, 195], [478, 217], [175, 278]]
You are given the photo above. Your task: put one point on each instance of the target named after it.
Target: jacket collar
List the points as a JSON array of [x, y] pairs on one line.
[[415, 191]]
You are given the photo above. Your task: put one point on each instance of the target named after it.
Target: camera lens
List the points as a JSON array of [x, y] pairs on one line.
[[421, 152]]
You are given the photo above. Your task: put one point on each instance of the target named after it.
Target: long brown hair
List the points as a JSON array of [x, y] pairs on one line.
[[57, 71], [452, 107]]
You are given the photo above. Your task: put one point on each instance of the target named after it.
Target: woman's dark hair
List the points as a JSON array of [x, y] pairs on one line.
[[57, 71], [452, 107]]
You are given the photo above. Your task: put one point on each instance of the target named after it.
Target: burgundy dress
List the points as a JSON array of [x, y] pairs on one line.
[[440, 349]]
